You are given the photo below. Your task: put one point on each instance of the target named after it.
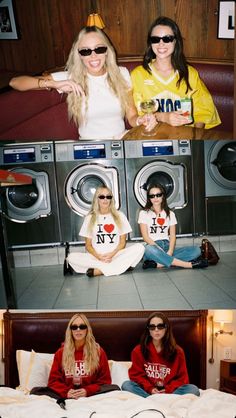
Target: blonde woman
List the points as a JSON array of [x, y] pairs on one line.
[[80, 368], [105, 230], [99, 92]]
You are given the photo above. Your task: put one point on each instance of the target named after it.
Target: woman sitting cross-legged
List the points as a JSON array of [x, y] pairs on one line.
[[80, 367], [158, 363], [158, 229], [105, 229]]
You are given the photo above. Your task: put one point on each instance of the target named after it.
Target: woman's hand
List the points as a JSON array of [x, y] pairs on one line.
[[173, 118], [155, 390], [106, 258], [148, 120], [66, 86], [76, 393]]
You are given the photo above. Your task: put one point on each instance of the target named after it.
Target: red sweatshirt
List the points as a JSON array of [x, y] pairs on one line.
[[148, 373], [61, 382]]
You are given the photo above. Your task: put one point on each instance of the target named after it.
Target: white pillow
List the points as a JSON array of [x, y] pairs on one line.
[[22, 361], [39, 370], [119, 372], [33, 369], [110, 362]]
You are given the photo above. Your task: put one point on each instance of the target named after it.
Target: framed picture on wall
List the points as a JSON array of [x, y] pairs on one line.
[[226, 19], [8, 28]]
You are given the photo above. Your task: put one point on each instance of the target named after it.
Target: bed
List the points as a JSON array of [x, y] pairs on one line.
[[38, 335]]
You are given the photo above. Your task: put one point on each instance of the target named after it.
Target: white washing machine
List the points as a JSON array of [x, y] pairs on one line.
[[168, 163], [220, 186], [81, 167], [31, 211]]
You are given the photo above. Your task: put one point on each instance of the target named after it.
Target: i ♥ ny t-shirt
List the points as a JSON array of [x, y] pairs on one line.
[[158, 226], [105, 233]]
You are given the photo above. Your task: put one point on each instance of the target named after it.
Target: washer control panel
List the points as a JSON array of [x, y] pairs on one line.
[[184, 147], [23, 154], [116, 149], [156, 148]]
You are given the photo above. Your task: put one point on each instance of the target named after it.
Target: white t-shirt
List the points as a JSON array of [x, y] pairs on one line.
[[104, 119], [158, 226], [105, 233]]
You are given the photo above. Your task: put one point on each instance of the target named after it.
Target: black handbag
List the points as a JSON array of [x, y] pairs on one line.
[[209, 252]]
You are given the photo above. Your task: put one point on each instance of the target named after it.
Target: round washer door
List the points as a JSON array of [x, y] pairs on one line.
[[82, 182], [170, 176], [31, 201], [222, 164]]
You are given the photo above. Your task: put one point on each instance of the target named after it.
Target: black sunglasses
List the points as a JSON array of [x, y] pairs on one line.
[[166, 39], [88, 51], [102, 196], [151, 196], [76, 327], [152, 327]]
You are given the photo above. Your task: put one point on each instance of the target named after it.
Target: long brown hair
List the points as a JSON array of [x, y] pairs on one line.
[[168, 341], [178, 59], [164, 205]]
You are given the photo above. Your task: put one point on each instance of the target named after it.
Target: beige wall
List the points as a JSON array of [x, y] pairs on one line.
[[220, 342]]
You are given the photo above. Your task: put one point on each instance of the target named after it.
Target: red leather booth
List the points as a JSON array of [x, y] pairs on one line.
[[36, 115]]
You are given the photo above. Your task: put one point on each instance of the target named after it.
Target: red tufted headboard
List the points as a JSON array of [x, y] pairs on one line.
[[117, 332]]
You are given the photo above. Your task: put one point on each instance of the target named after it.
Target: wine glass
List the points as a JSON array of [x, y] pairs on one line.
[[77, 380], [149, 107], [161, 378]]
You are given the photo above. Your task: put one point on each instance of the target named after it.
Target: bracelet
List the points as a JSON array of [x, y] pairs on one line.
[[45, 84], [39, 79]]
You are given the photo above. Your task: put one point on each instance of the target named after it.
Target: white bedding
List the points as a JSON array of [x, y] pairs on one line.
[[119, 404]]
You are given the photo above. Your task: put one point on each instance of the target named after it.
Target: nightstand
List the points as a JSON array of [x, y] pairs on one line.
[[228, 376]]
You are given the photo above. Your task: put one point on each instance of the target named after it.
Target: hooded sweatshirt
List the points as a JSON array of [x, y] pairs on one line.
[[61, 381], [156, 370]]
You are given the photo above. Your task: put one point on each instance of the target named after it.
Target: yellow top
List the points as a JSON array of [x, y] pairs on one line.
[[164, 91]]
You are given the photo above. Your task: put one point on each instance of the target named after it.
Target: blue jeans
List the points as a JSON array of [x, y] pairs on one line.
[[133, 387], [158, 253]]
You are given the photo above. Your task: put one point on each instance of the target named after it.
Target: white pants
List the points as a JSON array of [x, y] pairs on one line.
[[128, 257]]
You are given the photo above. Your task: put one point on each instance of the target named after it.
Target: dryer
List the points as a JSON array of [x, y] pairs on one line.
[[31, 211], [168, 163], [81, 167], [220, 185]]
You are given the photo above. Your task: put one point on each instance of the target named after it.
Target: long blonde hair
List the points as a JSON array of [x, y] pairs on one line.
[[78, 73], [91, 350], [94, 211]]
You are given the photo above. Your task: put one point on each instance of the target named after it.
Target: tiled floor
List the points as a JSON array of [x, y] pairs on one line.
[[45, 287]]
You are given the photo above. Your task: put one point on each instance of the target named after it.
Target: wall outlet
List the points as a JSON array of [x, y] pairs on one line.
[[227, 353]]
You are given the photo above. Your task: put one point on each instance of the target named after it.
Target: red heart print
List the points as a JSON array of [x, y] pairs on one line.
[[108, 227], [160, 221]]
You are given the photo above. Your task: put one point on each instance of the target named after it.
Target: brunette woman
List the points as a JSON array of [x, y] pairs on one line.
[[168, 79], [158, 229], [158, 363]]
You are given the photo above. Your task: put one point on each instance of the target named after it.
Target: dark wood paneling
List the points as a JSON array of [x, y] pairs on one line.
[[49, 27]]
